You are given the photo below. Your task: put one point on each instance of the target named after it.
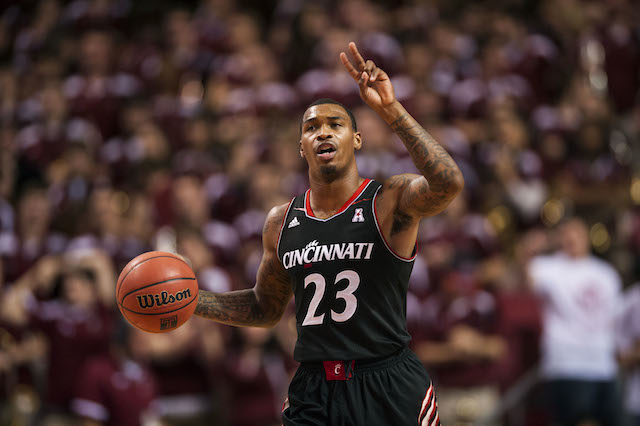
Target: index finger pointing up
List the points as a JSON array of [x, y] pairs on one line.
[[360, 62]]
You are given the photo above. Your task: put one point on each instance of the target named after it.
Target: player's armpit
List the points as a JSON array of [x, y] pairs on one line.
[[264, 304]]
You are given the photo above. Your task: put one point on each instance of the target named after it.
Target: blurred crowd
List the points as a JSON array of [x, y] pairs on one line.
[[128, 126]]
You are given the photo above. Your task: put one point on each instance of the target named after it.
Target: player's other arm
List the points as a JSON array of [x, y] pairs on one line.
[[413, 195], [262, 305]]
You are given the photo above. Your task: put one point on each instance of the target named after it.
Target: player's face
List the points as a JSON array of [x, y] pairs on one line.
[[328, 141]]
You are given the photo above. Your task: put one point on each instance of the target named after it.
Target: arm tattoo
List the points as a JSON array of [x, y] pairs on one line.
[[433, 162], [233, 308], [261, 306]]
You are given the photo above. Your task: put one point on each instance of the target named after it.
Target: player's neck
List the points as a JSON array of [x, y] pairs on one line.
[[327, 198]]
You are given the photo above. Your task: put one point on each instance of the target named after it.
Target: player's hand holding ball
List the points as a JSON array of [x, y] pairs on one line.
[[157, 292]]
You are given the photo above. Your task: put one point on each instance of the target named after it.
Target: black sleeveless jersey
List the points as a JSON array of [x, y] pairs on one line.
[[350, 288]]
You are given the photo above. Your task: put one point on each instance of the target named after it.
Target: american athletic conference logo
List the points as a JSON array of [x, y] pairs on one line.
[[147, 301]]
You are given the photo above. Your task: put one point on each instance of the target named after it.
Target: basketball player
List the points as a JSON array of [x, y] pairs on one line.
[[345, 250]]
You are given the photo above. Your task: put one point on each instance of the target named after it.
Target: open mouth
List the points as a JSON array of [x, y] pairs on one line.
[[326, 151]]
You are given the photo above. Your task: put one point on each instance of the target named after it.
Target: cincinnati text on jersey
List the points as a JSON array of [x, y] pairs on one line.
[[313, 253]]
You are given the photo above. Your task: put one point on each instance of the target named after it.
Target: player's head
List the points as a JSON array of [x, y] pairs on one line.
[[328, 137]]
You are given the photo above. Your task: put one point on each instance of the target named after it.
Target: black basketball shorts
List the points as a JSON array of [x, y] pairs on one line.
[[395, 391]]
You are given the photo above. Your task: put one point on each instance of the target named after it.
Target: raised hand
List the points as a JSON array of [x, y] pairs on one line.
[[375, 86]]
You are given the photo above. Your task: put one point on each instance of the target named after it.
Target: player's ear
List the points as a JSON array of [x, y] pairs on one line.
[[357, 140], [301, 151]]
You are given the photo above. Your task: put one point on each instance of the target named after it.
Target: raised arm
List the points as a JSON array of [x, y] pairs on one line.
[[405, 199], [262, 305], [409, 194]]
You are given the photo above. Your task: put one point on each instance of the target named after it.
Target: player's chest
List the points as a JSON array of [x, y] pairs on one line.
[[331, 244]]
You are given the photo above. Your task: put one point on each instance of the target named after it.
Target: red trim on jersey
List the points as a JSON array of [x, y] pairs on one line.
[[375, 215], [345, 206]]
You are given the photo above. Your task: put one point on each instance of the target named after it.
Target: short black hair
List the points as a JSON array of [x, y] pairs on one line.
[[322, 101]]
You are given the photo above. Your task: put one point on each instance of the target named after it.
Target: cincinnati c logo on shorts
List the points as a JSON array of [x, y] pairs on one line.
[[336, 370], [358, 216]]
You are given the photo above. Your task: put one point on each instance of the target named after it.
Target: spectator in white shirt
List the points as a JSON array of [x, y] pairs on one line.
[[581, 295]]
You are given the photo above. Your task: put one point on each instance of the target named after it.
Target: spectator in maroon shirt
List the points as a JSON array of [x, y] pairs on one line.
[[49, 134], [98, 91], [463, 348], [594, 177], [256, 374], [185, 391], [122, 235], [192, 245], [117, 389], [77, 321], [621, 45], [32, 237]]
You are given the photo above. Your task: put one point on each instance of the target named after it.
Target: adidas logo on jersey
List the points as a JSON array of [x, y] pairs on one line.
[[358, 216], [294, 222]]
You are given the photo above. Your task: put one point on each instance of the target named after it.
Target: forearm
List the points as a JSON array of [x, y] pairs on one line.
[[430, 158], [240, 308]]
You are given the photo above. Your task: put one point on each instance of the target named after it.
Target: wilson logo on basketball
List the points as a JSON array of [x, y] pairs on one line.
[[147, 301]]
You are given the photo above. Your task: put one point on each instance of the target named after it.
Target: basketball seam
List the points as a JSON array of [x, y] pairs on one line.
[[140, 263], [151, 285], [157, 313]]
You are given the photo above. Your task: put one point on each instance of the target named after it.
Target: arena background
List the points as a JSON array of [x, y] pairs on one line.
[[128, 126]]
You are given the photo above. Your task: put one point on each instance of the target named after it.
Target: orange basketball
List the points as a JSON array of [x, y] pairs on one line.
[[157, 292]]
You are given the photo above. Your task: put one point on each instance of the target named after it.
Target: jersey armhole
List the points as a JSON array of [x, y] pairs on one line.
[[284, 219], [375, 216]]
